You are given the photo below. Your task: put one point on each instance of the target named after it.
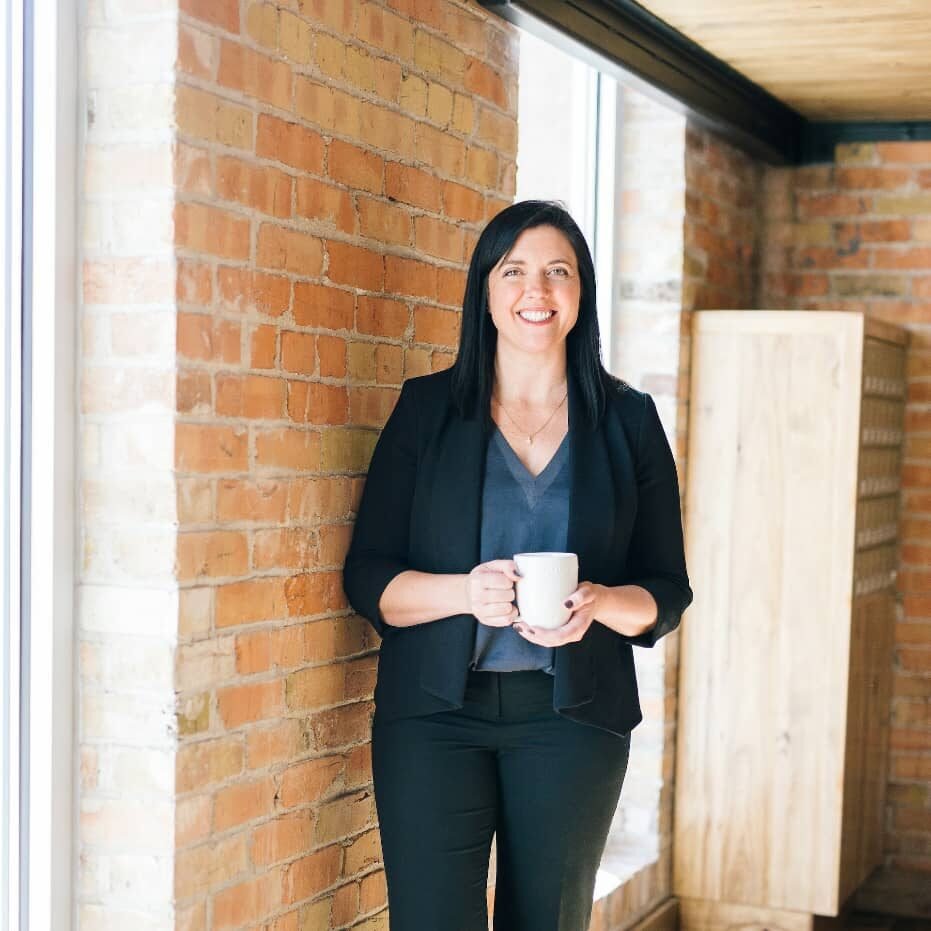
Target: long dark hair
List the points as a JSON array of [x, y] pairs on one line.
[[473, 371]]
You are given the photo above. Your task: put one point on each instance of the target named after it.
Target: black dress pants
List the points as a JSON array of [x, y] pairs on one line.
[[507, 763]]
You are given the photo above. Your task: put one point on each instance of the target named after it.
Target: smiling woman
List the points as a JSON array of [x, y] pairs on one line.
[[483, 724]]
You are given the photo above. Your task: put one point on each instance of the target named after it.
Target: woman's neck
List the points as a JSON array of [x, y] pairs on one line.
[[529, 380]]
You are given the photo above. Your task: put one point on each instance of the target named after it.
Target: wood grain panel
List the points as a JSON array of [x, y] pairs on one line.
[[771, 510], [829, 59]]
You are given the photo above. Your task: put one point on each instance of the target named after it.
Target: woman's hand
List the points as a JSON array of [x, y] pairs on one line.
[[584, 604], [490, 592]]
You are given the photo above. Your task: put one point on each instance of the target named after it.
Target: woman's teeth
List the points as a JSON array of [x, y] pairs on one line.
[[536, 316]]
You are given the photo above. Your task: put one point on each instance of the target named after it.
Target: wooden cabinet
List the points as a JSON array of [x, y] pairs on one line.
[[795, 436]]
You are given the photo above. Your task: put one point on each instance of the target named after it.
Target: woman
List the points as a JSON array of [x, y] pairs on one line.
[[484, 724]]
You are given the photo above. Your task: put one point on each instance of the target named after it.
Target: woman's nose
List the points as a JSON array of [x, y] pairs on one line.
[[536, 282]]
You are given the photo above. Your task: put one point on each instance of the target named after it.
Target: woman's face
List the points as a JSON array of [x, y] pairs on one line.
[[534, 291]]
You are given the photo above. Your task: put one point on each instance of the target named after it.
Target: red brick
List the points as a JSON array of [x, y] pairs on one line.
[[371, 407], [439, 238], [242, 802], [252, 652], [222, 13], [250, 396], [289, 143], [247, 602], [904, 151], [266, 189], [355, 167], [317, 200], [382, 221], [345, 904], [450, 286], [359, 268], [386, 31], [872, 231], [282, 838], [194, 285], [382, 317], [919, 258], [262, 347], [440, 150], [314, 593], [290, 250], [212, 553], [413, 186], [298, 352], [204, 448], [831, 205], [827, 257], [243, 69], [339, 727], [462, 203], [487, 83], [192, 170], [211, 231], [251, 500], [247, 903], [289, 548], [197, 53], [193, 391], [245, 291], [310, 875], [321, 306], [315, 403], [207, 338], [408, 276], [288, 449], [872, 178], [435, 326], [208, 762], [388, 130], [331, 356], [273, 744]]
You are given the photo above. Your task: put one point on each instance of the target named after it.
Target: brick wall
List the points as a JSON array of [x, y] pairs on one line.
[[335, 163], [856, 235], [279, 204], [127, 593]]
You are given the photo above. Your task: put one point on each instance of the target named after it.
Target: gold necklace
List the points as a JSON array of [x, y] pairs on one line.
[[530, 436]]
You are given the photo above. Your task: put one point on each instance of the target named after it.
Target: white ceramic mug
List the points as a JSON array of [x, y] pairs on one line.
[[547, 580]]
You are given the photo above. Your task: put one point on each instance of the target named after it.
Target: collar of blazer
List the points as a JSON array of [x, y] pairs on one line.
[[456, 502]]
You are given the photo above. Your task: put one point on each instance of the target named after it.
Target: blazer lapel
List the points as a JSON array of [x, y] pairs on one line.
[[458, 467], [592, 510]]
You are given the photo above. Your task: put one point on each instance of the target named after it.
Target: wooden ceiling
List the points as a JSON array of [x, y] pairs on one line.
[[846, 60]]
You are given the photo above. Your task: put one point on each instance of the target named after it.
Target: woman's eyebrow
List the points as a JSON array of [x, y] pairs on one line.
[[551, 262]]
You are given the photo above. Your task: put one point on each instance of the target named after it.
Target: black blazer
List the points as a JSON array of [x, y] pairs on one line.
[[421, 509]]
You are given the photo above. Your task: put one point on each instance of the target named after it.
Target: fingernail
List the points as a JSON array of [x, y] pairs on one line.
[[568, 603]]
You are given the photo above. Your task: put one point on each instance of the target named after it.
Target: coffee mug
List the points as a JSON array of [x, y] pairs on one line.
[[547, 580]]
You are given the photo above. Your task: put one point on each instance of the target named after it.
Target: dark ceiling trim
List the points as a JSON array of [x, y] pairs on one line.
[[819, 139], [623, 39]]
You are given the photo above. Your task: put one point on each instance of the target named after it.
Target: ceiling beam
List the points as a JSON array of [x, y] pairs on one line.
[[621, 38]]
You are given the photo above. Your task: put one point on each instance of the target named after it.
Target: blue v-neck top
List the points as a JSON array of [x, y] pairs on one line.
[[521, 513]]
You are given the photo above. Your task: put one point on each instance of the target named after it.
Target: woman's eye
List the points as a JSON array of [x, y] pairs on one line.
[[509, 272], [563, 272]]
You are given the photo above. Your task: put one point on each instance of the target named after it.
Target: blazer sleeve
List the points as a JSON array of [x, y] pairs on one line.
[[379, 548], [656, 555]]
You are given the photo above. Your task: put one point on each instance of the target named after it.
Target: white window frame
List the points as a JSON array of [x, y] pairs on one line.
[[47, 317]]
